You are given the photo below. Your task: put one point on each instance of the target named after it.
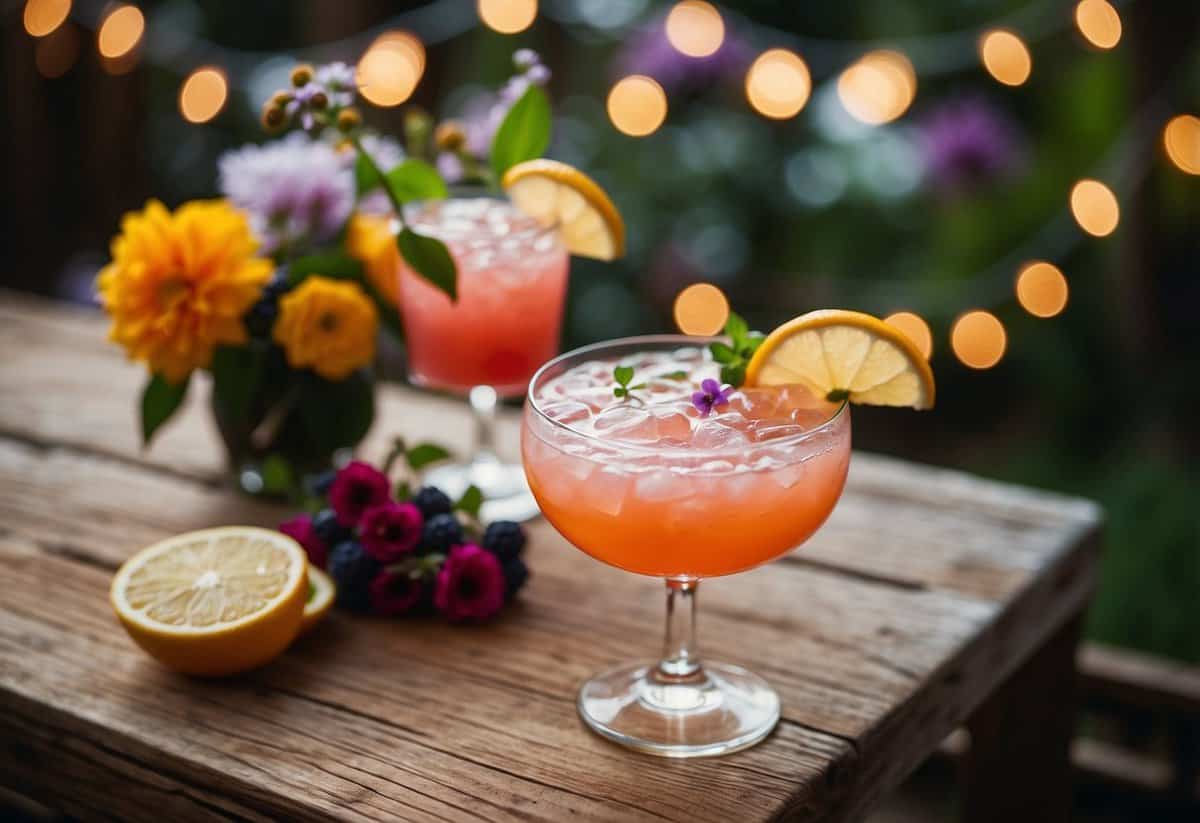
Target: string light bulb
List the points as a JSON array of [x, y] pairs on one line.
[[701, 309], [878, 87], [390, 69], [1099, 23], [43, 17], [695, 28], [508, 16], [120, 32], [914, 327], [1042, 289], [1181, 139], [1006, 57], [637, 105], [1095, 208], [778, 84], [203, 95], [978, 339]]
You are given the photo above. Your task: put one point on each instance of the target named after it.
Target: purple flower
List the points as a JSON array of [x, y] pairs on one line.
[[525, 59], [357, 488], [338, 79], [649, 52], [297, 191], [968, 141], [390, 530], [300, 529], [393, 593], [450, 166], [539, 75], [471, 584], [710, 396]]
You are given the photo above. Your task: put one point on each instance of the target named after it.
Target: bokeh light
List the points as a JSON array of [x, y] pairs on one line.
[[878, 87], [508, 16], [203, 95], [389, 70], [914, 327], [978, 339], [637, 105], [1042, 289], [701, 309], [1099, 23], [695, 28], [1095, 207], [120, 32], [44, 16], [778, 84], [1181, 139], [1006, 57], [57, 52]]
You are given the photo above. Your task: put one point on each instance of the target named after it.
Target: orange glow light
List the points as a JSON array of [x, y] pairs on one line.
[[44, 16], [1095, 207], [878, 87], [508, 16], [1005, 57], [120, 32], [1099, 23], [701, 309], [203, 95], [390, 69], [778, 84], [1042, 289], [695, 28], [914, 328], [1181, 139], [637, 105], [978, 339]]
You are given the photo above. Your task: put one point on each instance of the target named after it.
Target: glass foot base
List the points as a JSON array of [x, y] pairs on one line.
[[505, 491], [723, 709]]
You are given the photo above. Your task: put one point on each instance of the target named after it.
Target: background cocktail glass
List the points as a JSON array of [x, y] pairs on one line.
[[512, 281], [652, 487]]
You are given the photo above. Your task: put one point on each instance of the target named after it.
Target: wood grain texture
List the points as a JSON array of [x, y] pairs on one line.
[[926, 590]]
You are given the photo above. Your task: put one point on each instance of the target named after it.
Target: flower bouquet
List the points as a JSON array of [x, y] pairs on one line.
[[279, 289]]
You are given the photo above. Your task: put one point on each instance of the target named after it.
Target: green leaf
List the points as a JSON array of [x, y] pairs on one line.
[[619, 392], [415, 180], [431, 259], [524, 133], [423, 454], [403, 491], [675, 375], [722, 353], [327, 263], [470, 502], [623, 374], [734, 375], [736, 328], [236, 371], [160, 400], [277, 475], [366, 176], [638, 387]]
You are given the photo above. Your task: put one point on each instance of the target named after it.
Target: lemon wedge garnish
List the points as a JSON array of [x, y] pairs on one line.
[[559, 195], [321, 594], [216, 601], [845, 355]]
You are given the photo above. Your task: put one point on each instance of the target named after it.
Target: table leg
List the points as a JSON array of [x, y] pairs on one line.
[[1019, 764]]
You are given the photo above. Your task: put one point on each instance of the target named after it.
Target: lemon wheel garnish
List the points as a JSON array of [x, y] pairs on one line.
[[321, 594], [845, 355], [559, 195], [214, 602]]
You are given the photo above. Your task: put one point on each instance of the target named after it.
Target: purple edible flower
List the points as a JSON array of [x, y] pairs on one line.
[[300, 529], [357, 487], [525, 59], [391, 530], [968, 141], [394, 593], [710, 396], [471, 584]]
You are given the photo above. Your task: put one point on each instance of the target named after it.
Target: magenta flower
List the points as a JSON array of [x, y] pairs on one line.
[[357, 488], [470, 585], [710, 396], [390, 530], [394, 593], [968, 143], [300, 529]]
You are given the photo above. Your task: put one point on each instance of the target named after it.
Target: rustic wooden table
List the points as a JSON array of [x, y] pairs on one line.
[[931, 600]]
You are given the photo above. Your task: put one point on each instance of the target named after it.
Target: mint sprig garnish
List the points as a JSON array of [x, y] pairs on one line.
[[623, 375], [735, 355]]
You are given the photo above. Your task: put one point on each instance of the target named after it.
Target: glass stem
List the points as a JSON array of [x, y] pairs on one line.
[[483, 401], [680, 660]]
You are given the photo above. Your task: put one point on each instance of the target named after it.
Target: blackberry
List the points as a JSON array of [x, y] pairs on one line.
[[352, 569], [505, 539], [441, 532], [516, 574], [327, 527], [318, 484], [260, 318], [431, 501]]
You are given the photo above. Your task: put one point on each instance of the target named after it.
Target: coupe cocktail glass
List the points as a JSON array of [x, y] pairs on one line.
[[512, 281], [651, 485]]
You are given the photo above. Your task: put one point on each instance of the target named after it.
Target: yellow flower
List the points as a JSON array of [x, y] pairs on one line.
[[328, 325], [178, 284], [370, 241]]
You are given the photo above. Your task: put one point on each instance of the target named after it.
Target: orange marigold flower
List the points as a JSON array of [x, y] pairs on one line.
[[369, 240], [328, 326], [179, 283]]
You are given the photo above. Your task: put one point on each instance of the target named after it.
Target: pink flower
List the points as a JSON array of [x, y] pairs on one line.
[[393, 593], [470, 585], [357, 488], [300, 529], [390, 530]]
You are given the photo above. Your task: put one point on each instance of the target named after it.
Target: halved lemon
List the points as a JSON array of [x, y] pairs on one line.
[[321, 594], [216, 601], [556, 194], [845, 354]]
